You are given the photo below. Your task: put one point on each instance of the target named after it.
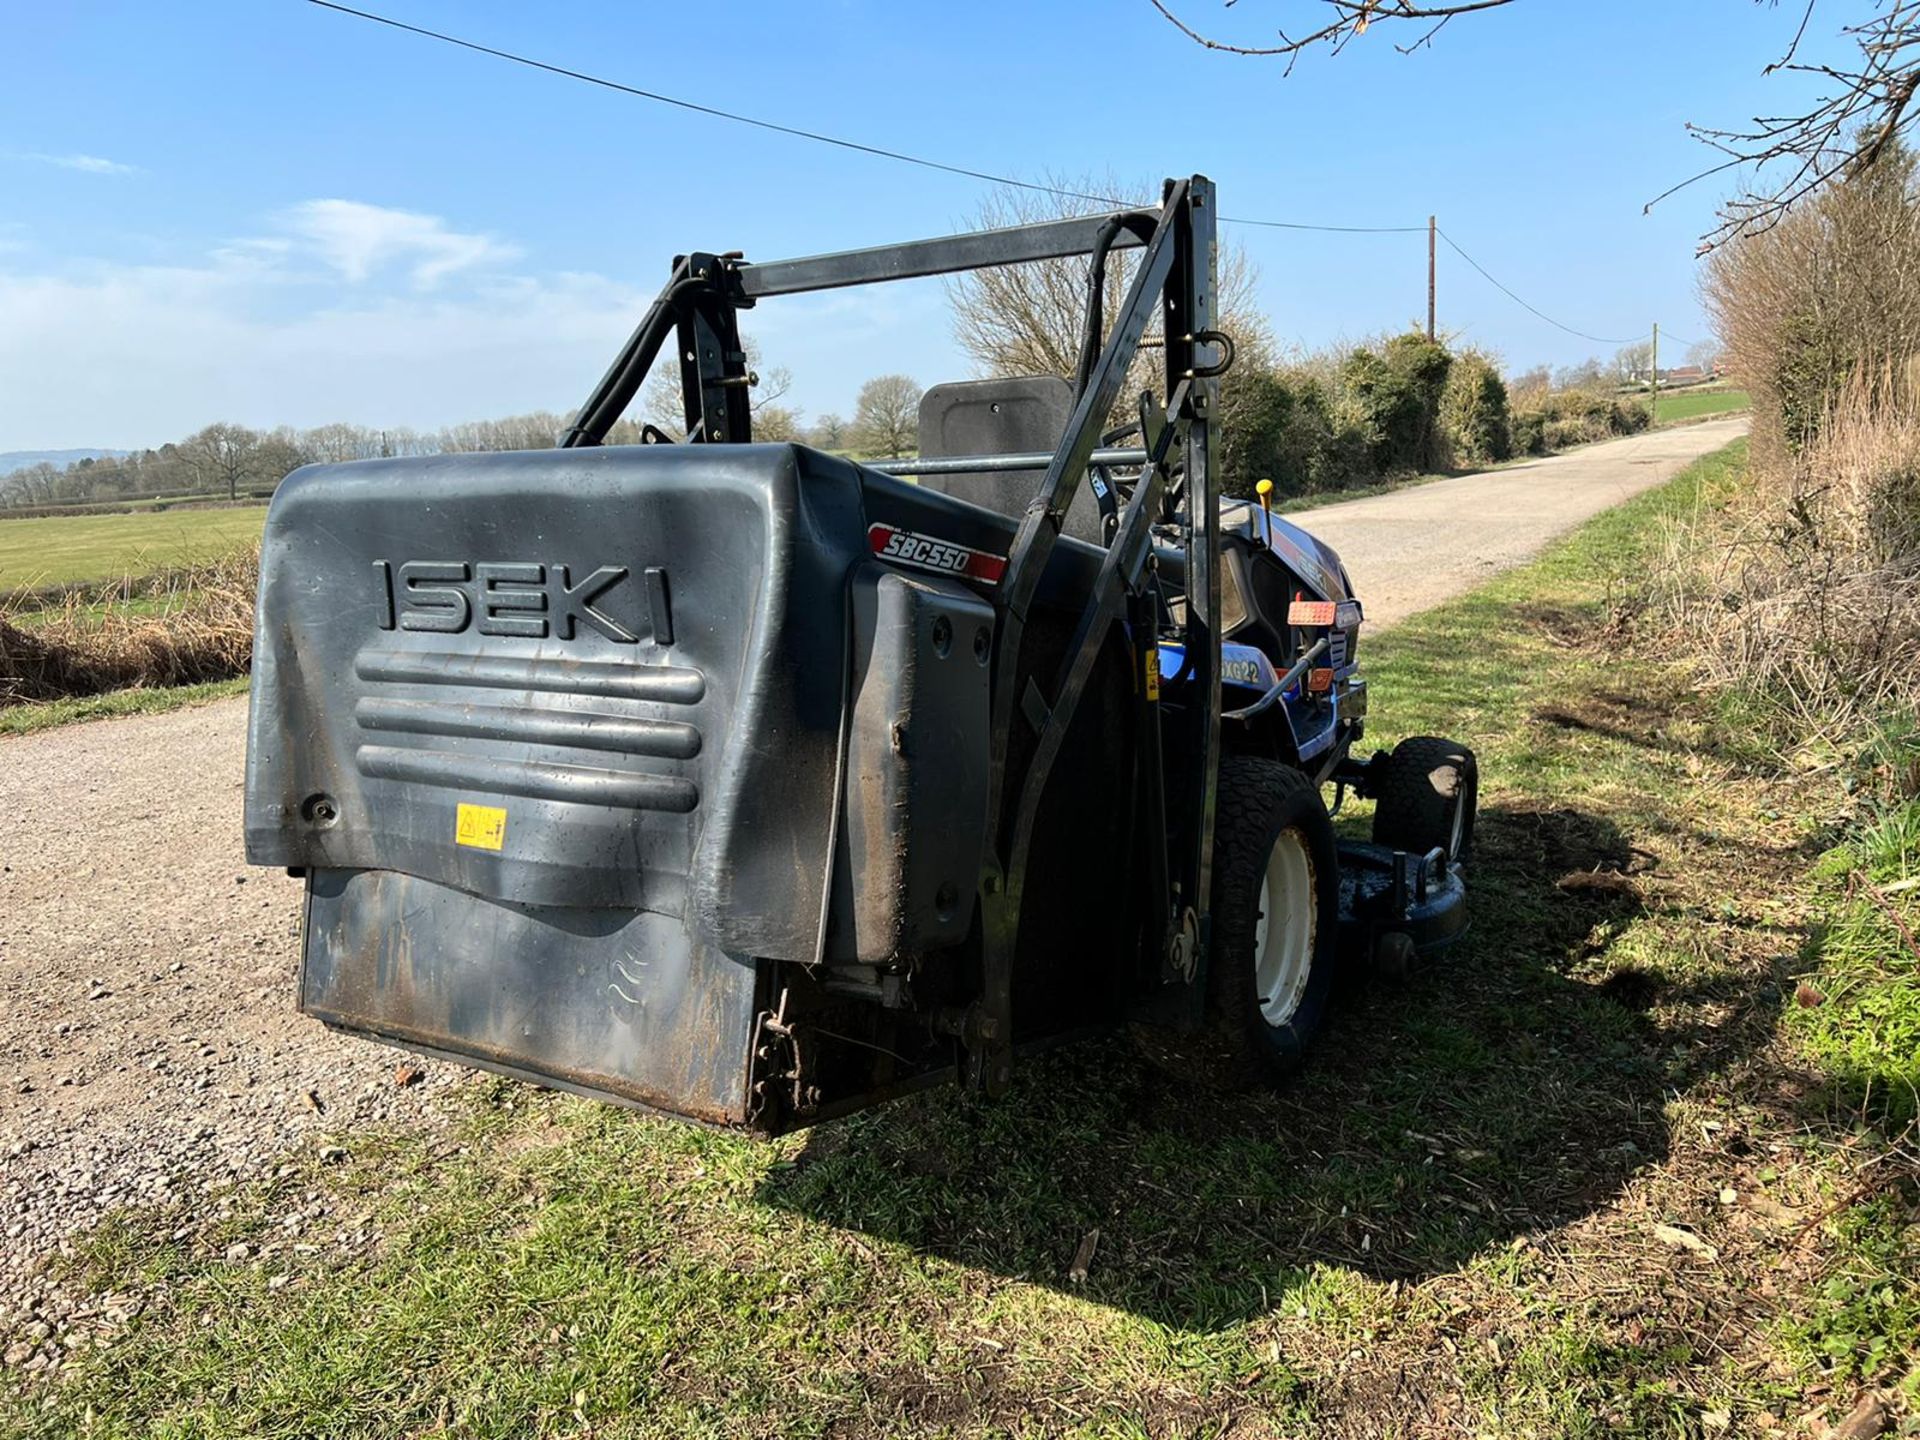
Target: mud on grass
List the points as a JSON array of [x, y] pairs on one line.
[[1578, 1178]]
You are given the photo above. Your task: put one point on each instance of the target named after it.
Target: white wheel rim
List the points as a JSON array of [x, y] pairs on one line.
[[1284, 935]]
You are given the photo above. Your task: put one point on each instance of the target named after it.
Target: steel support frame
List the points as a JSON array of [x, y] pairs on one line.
[[1191, 312], [1175, 279], [713, 364]]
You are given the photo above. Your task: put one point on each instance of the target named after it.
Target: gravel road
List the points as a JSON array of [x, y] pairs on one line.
[[148, 1044], [1414, 548]]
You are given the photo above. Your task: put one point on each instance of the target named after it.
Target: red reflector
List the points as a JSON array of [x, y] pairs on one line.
[[1320, 681], [1310, 612]]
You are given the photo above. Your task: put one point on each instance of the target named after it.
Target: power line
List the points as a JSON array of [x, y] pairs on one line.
[[922, 161], [816, 136], [1327, 229], [700, 109], [1596, 339]]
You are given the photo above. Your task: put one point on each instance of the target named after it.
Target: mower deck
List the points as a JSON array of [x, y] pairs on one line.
[[1387, 892]]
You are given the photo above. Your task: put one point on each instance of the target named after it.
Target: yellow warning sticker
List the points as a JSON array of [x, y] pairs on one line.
[[1153, 672], [482, 826]]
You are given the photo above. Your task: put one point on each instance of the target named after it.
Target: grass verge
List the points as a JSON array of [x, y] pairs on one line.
[[1860, 1009], [45, 715], [179, 630], [1577, 1179]]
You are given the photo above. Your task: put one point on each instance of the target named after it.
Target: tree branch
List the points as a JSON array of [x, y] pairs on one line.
[[1351, 18], [1868, 108]]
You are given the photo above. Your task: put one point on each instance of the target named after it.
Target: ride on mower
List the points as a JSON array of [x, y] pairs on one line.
[[755, 784]]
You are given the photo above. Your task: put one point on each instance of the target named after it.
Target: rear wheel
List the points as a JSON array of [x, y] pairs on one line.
[[1276, 896], [1428, 797]]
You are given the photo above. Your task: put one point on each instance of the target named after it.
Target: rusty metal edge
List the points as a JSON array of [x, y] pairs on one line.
[[633, 1096]]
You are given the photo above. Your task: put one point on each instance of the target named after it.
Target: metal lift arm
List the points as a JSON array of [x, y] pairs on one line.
[[1174, 280]]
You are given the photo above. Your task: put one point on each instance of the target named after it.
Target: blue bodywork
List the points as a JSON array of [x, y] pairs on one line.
[[1246, 674], [1267, 563]]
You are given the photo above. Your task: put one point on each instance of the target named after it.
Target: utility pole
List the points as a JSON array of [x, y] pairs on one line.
[[1432, 227], [1653, 414]]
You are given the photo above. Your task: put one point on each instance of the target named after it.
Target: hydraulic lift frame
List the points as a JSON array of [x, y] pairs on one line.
[[1174, 281]]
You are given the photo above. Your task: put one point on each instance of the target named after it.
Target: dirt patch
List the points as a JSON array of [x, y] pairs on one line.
[[1580, 628], [1597, 882], [1643, 720], [1558, 840]]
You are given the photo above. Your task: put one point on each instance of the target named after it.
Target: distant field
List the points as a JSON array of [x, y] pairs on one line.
[[62, 549], [1691, 404]]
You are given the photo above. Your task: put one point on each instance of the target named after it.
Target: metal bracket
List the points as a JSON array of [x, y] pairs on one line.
[[1183, 947], [778, 1071], [1220, 341], [713, 364], [1034, 706]]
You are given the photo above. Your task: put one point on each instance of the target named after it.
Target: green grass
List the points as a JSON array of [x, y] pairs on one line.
[[1864, 1026], [25, 719], [1692, 404], [66, 549], [1866, 1311], [1445, 1225]]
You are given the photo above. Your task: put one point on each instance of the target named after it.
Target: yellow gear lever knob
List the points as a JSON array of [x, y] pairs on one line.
[[1264, 489]]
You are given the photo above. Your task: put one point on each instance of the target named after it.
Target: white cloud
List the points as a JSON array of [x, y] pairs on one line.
[[358, 240], [354, 312], [91, 164], [142, 354]]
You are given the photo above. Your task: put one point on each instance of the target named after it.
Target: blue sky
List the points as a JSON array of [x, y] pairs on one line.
[[270, 213]]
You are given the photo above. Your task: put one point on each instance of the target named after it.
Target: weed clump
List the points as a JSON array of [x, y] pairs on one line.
[[183, 626], [1803, 592]]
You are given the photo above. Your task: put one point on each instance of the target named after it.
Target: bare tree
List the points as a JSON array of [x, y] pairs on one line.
[[35, 484], [829, 433], [1864, 113], [1633, 362], [774, 383], [1584, 376], [1832, 290], [1705, 354], [662, 407], [279, 454], [886, 417], [776, 423], [536, 430], [1029, 319], [1866, 105], [331, 444], [222, 454], [1536, 380]]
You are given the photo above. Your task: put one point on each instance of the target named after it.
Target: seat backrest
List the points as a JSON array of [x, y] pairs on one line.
[[1002, 417]]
